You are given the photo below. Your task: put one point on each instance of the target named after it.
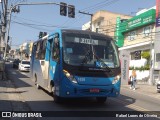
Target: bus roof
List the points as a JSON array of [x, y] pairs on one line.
[[75, 31]]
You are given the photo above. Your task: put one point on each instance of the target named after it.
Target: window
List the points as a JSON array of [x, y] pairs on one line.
[[136, 55], [34, 49], [97, 30], [147, 30], [38, 50], [157, 57], [43, 48], [132, 55], [79, 49], [132, 35], [56, 49], [98, 23]]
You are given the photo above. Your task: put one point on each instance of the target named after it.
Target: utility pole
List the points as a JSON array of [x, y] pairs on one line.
[[91, 18], [151, 81], [12, 9], [4, 6]]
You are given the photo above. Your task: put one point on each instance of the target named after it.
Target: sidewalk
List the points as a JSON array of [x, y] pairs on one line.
[[144, 88], [10, 98]]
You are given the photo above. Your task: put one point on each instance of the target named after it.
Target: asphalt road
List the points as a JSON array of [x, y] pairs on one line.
[[33, 99]]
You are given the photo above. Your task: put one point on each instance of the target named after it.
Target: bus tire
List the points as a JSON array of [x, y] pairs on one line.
[[56, 98], [101, 99]]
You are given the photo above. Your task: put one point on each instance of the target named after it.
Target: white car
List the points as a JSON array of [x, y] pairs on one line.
[[24, 65]]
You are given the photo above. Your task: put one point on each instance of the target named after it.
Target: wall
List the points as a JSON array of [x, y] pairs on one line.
[[141, 75], [139, 38], [107, 21]]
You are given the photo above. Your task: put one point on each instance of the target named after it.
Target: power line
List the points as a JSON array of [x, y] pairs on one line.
[[106, 4], [83, 10], [40, 25]]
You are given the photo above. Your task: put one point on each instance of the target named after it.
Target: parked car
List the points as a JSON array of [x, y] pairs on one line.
[[24, 65], [158, 86], [16, 63]]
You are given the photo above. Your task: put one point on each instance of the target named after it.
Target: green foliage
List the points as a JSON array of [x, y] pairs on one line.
[[131, 68], [142, 68], [147, 67], [146, 55]]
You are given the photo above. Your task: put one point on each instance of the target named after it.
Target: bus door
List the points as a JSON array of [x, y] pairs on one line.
[[32, 59], [54, 65]]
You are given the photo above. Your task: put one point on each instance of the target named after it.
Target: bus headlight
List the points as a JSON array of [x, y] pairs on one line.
[[116, 79], [69, 76]]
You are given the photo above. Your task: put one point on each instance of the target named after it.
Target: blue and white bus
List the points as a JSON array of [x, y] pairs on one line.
[[76, 63]]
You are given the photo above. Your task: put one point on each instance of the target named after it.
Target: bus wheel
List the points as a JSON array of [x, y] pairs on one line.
[[101, 99], [56, 98]]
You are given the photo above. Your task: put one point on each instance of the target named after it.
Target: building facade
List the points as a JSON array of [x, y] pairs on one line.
[[136, 36], [104, 22], [25, 50]]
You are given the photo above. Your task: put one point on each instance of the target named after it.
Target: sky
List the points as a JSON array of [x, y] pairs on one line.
[[26, 25]]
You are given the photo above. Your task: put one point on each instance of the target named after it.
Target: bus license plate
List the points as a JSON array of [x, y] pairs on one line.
[[94, 90]]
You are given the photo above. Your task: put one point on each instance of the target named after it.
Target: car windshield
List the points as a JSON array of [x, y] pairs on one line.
[[91, 51], [26, 62]]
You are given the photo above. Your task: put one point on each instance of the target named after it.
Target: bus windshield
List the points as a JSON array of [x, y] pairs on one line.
[[90, 51]]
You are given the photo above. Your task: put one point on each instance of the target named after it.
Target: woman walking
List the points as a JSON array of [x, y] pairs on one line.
[[133, 80]]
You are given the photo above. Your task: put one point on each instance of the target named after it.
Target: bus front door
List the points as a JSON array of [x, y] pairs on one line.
[[54, 67]]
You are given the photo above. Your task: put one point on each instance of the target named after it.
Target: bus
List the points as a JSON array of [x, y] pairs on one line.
[[76, 63]]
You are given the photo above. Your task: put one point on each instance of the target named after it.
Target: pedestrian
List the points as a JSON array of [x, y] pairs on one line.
[[133, 79]]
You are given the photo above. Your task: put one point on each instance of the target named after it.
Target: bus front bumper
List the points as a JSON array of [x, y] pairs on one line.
[[76, 90]]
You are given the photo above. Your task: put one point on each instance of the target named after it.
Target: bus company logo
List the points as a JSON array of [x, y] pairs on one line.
[[6, 114]]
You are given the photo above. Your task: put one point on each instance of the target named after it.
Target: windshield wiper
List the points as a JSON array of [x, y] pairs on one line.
[[102, 63]]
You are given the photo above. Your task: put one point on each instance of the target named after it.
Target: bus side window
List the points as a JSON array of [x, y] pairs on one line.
[[34, 49], [43, 49], [38, 50], [56, 49]]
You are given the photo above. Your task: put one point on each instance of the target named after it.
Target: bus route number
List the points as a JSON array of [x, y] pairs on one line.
[[81, 79]]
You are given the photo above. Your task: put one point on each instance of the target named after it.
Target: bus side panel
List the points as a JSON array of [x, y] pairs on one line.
[[38, 72]]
